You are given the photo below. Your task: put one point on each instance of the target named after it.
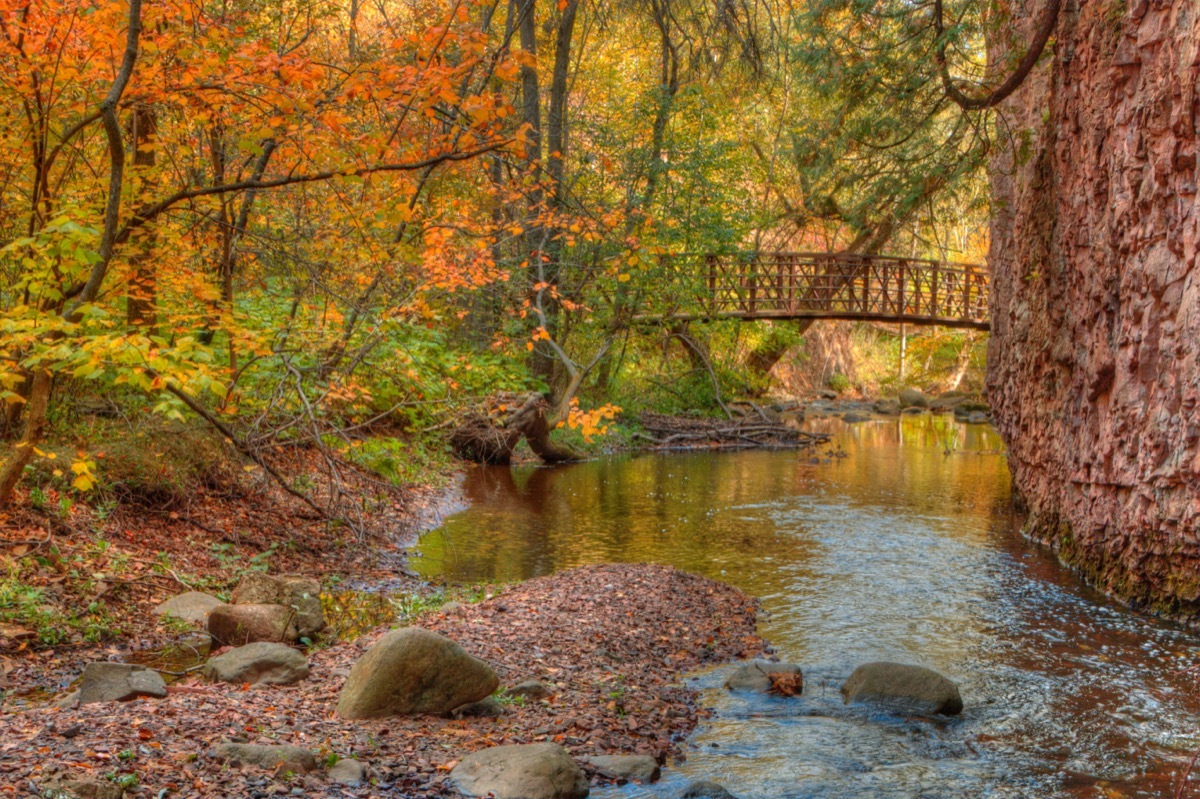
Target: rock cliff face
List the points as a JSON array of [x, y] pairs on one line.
[[1094, 362]]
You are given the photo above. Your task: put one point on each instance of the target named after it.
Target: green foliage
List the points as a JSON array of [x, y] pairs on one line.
[[416, 460], [28, 606]]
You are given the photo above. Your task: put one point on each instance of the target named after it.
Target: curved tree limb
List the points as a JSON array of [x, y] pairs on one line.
[[997, 95]]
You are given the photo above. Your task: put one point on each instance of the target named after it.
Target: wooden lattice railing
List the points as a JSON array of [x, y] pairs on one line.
[[822, 286]]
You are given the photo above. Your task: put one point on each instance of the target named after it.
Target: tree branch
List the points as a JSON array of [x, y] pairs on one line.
[[997, 95]]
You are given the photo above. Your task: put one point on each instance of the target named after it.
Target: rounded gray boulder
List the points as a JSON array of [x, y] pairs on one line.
[[910, 689], [521, 771], [412, 671], [193, 606], [259, 662]]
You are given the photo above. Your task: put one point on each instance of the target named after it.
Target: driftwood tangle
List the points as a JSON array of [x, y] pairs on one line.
[[490, 434], [748, 432]]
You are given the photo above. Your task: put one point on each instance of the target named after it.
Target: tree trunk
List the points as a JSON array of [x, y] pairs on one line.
[[141, 303], [35, 430]]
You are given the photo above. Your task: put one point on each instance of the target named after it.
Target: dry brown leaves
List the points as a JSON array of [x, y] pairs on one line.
[[786, 684], [612, 639]]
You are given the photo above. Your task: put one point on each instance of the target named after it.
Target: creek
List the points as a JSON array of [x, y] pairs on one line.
[[898, 543]]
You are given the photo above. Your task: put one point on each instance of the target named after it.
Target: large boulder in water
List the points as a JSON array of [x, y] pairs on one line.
[[411, 671], [301, 594], [260, 662], [118, 682], [238, 625], [910, 689], [763, 676], [521, 771], [912, 398]]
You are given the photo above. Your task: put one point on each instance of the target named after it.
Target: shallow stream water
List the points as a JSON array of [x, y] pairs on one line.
[[899, 543]]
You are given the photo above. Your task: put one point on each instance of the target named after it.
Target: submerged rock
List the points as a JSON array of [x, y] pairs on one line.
[[259, 662], [521, 771], [910, 689], [757, 676], [118, 682], [706, 789], [641, 768], [411, 671]]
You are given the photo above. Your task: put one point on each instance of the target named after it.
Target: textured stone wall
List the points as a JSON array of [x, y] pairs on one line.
[[1094, 361]]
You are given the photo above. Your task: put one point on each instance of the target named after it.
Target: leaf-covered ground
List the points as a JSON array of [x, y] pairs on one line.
[[614, 639]]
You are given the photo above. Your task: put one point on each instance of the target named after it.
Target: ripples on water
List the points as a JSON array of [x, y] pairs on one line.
[[905, 549]]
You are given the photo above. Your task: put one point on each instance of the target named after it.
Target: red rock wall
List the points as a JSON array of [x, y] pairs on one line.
[[1094, 361]]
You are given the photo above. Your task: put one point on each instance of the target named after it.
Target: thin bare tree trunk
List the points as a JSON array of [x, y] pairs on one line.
[[962, 363]]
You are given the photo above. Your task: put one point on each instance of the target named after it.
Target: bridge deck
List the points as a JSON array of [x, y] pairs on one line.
[[823, 286]]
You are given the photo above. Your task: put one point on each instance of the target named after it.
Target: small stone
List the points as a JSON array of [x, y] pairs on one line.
[[531, 689], [67, 700], [756, 675], [192, 606], [706, 789], [295, 759], [237, 625], [118, 682], [13, 632], [348, 772], [259, 662], [521, 771], [488, 708], [640, 768], [85, 789]]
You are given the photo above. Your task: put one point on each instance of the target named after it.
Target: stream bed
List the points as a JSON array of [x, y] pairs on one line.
[[897, 543]]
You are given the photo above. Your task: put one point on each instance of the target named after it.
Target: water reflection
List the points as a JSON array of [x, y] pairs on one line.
[[899, 543]]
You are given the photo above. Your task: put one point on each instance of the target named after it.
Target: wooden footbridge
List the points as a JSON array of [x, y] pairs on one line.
[[786, 285]]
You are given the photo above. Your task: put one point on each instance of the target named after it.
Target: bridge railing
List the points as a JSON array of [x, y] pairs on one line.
[[825, 285]]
